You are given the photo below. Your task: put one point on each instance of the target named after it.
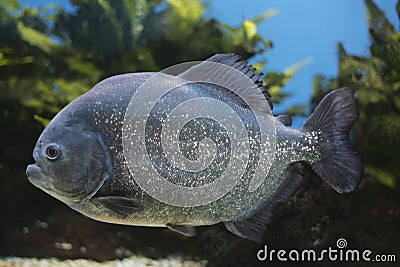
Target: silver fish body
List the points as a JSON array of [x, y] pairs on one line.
[[81, 158]]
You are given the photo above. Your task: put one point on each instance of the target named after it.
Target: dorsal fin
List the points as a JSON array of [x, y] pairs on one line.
[[207, 72]]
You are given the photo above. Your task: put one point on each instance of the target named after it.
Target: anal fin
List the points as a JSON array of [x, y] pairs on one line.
[[253, 227]]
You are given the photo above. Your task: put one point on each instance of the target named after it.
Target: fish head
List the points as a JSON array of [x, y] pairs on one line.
[[71, 162]]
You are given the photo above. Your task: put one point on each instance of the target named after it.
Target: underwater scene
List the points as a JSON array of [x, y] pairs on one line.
[[199, 133]]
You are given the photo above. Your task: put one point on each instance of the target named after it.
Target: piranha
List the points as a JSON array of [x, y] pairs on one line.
[[106, 154]]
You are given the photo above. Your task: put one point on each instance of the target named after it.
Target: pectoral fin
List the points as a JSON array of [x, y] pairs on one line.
[[120, 207], [186, 230]]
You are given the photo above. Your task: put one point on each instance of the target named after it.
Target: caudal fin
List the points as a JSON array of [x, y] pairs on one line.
[[340, 165]]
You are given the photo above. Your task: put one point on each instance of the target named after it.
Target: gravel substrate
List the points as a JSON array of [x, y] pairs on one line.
[[136, 261]]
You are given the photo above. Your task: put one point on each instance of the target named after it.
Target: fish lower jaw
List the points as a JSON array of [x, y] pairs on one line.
[[37, 177]]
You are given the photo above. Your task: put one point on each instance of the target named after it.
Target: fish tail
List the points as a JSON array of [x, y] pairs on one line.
[[340, 166]]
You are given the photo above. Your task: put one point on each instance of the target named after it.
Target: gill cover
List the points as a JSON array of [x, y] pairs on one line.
[[72, 161]]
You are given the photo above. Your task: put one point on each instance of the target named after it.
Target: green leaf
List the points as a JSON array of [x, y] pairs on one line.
[[398, 9], [43, 121], [266, 15], [288, 72], [71, 89], [250, 29], [186, 12], [259, 66], [137, 11], [106, 7], [9, 5], [84, 68], [36, 38], [377, 21], [246, 35], [384, 177]]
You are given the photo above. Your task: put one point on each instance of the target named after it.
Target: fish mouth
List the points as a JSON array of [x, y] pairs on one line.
[[37, 177], [41, 180]]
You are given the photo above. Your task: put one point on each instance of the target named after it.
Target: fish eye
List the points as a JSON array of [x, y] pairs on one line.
[[53, 152]]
